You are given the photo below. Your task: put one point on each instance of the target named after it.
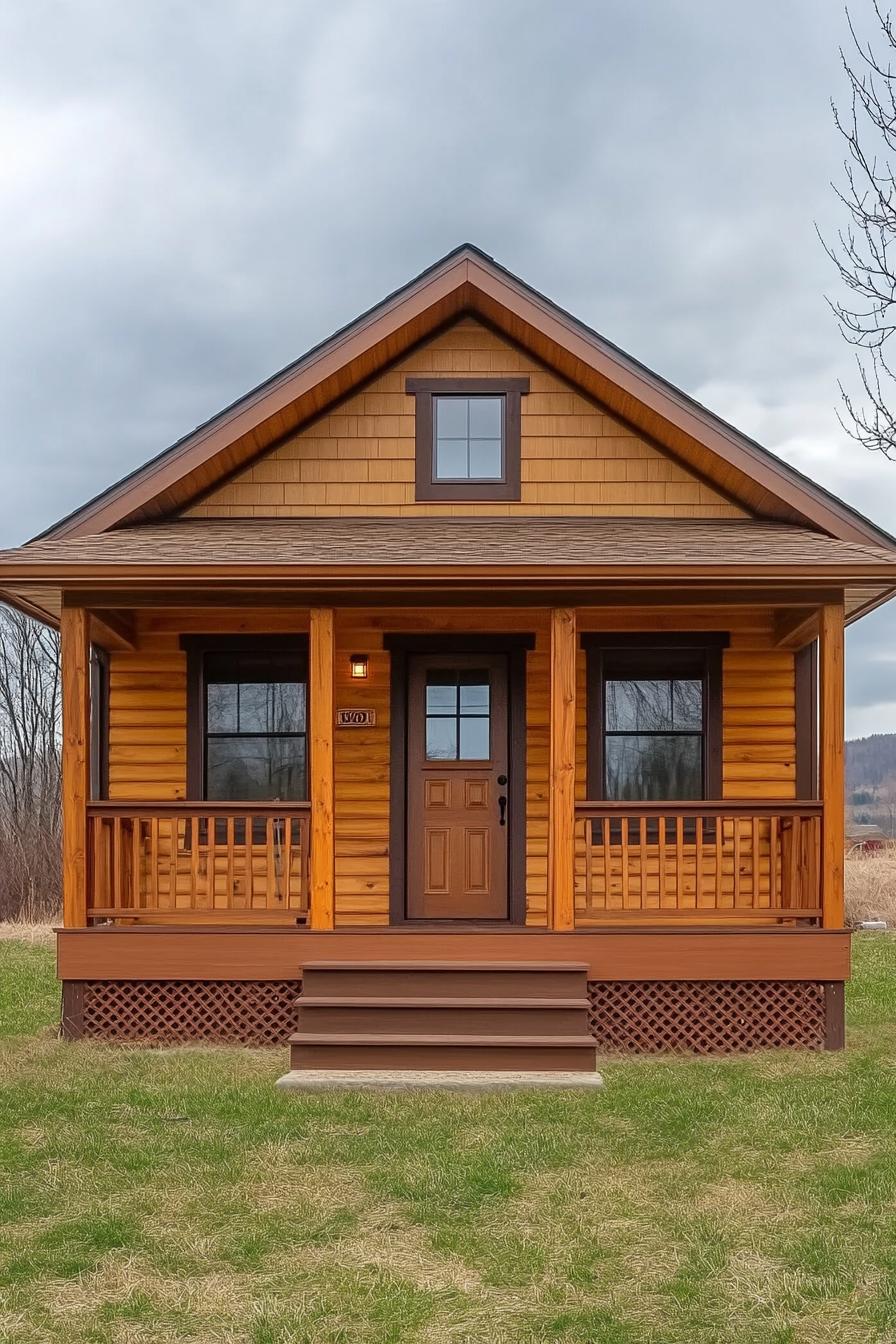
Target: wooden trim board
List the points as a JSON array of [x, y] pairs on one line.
[[611, 954]]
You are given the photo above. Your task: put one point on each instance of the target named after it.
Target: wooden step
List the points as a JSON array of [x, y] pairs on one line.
[[356, 1051], [438, 979], [443, 1015], [413, 1017]]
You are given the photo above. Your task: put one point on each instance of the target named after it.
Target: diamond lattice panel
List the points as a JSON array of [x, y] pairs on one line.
[[716, 1017], [244, 1012]]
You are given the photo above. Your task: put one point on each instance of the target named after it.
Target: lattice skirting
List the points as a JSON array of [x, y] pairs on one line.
[[166, 1012], [635, 1017], [711, 1017]]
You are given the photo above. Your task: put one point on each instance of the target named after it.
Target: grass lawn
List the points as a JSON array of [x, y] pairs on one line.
[[158, 1195]]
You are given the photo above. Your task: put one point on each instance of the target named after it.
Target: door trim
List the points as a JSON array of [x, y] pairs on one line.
[[515, 647]]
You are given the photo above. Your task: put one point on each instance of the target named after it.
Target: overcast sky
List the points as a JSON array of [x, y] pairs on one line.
[[192, 195]]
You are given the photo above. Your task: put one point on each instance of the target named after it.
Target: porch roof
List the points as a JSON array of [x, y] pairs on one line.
[[662, 547], [468, 559]]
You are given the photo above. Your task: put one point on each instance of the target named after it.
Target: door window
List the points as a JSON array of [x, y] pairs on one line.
[[458, 714]]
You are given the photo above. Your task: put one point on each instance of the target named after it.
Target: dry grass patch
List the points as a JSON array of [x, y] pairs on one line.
[[870, 881], [39, 933]]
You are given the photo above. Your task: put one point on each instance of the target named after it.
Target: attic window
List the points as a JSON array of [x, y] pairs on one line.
[[468, 437]]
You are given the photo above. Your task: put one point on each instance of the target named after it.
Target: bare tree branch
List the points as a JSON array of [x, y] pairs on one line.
[[29, 768], [864, 251]]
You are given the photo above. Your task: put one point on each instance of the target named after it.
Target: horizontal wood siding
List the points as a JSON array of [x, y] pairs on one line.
[[147, 759], [359, 458]]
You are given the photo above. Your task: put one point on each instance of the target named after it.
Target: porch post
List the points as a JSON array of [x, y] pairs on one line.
[[75, 669], [831, 766], [322, 902], [562, 776]]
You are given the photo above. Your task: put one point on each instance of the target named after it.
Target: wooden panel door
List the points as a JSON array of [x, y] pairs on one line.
[[457, 823]]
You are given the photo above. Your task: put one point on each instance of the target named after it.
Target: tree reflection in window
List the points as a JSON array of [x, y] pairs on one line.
[[255, 727], [653, 738]]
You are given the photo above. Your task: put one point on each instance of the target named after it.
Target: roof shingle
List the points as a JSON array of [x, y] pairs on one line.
[[451, 543]]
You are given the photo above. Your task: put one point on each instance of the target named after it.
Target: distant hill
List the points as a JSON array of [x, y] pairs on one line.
[[871, 763]]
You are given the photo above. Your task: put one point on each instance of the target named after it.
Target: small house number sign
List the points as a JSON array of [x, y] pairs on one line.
[[355, 718]]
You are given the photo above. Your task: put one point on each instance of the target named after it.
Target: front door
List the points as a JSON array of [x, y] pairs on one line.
[[457, 779]]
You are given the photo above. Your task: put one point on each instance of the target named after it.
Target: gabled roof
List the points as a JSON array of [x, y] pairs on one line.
[[467, 280]]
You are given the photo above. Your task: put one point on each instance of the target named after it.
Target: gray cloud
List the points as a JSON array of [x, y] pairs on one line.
[[187, 204]]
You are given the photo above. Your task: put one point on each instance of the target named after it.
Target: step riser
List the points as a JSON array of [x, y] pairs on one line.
[[437, 1015], [391, 984], [455, 1020], [444, 1057]]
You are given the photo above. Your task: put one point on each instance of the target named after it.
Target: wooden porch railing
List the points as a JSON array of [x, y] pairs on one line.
[[246, 862], [723, 860]]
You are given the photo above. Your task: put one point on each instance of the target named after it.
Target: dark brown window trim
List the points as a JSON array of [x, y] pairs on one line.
[[805, 670], [710, 643], [400, 646], [429, 490], [196, 647]]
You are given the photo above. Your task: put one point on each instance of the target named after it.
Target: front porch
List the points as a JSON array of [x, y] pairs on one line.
[[710, 924], [537, 838]]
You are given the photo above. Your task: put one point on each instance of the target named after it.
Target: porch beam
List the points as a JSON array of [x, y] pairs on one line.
[[831, 762], [322, 639], [440, 593], [113, 630], [561, 803], [75, 671], [795, 629]]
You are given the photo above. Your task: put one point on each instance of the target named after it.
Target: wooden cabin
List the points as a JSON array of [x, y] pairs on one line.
[[462, 665]]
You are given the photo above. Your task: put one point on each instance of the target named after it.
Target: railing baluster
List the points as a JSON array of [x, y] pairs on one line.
[[153, 874], [249, 843], [756, 865], [136, 862], [794, 879], [642, 846], [230, 890], [773, 862], [270, 870], [661, 862], [608, 860], [117, 893], [286, 861], [698, 861], [623, 837]]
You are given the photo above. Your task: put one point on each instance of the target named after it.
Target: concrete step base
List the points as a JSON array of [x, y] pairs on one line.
[[434, 1080]]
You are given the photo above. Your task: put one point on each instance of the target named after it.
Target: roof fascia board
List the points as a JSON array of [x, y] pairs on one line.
[[667, 401], [115, 504], [51, 573]]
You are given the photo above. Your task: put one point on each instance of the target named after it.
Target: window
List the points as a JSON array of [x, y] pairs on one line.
[[468, 437], [653, 745], [247, 723], [457, 715], [654, 719]]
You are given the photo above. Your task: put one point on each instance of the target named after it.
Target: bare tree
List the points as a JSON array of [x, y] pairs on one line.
[[864, 248], [29, 768]]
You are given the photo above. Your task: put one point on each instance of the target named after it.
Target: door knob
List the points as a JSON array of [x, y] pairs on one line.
[[502, 810], [502, 780]]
